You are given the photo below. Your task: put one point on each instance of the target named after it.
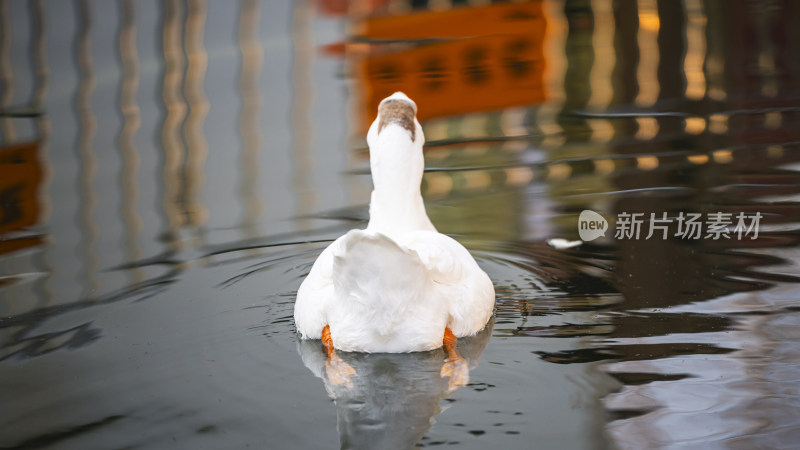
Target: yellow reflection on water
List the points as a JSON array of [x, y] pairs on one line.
[[131, 123], [196, 147], [518, 176], [252, 61], [554, 72], [303, 103], [694, 125], [695, 50], [647, 162], [603, 68], [648, 128], [773, 120], [718, 123], [174, 66], [647, 72], [698, 159], [723, 156], [604, 166]]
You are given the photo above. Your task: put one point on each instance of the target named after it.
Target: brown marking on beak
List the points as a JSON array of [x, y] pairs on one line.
[[399, 112]]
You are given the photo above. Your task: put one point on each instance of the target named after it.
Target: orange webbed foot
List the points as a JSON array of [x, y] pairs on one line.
[[339, 373], [455, 366]]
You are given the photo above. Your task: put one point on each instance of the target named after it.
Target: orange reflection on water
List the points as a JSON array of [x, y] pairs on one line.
[[20, 178], [479, 59]]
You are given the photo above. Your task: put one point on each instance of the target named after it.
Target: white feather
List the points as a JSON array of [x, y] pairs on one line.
[[395, 286], [561, 244]]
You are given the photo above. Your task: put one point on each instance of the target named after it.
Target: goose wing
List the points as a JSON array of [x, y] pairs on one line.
[[459, 280]]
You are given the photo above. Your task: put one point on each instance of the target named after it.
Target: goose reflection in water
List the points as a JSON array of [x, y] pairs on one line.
[[389, 400]]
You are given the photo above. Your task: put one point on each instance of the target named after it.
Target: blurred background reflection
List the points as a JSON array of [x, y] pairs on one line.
[[170, 169]]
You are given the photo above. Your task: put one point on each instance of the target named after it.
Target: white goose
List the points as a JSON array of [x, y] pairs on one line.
[[398, 286]]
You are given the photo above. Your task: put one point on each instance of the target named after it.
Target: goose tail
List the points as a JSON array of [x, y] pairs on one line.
[[377, 276]]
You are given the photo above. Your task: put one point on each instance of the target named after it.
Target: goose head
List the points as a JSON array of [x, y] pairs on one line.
[[396, 163], [396, 109]]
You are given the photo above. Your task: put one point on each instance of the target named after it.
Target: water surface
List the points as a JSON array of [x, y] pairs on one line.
[[169, 171]]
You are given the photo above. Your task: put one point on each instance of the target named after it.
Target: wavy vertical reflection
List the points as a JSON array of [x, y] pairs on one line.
[[626, 49], [43, 132], [171, 139], [7, 133], [602, 87], [131, 123], [39, 53], [196, 146], [301, 110], [765, 22], [716, 45], [647, 72], [695, 50], [252, 61], [88, 126], [580, 58], [555, 69]]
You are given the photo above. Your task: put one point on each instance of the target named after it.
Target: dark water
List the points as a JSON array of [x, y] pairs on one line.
[[170, 170]]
